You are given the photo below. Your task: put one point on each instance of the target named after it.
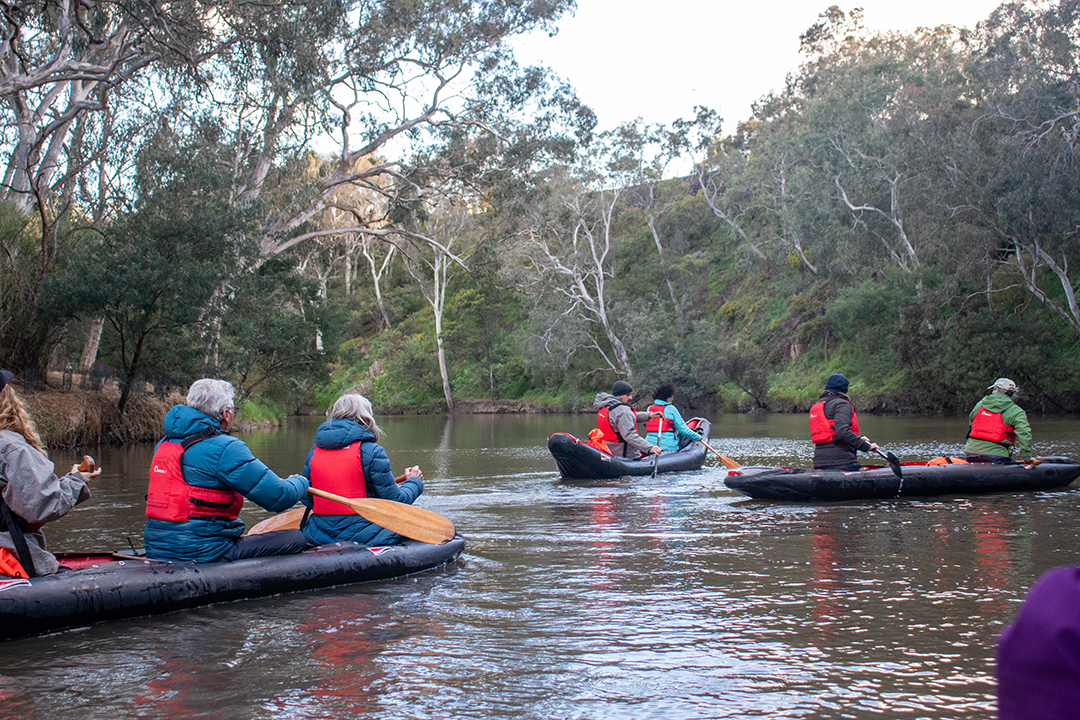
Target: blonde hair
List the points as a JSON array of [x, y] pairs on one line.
[[13, 416], [357, 408]]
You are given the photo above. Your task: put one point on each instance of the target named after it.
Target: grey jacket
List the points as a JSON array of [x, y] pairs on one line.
[[34, 493], [623, 420]]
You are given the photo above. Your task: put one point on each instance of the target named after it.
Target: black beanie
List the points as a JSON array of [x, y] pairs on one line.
[[837, 383], [621, 387]]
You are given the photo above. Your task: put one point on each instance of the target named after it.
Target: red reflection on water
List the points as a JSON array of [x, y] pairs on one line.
[[992, 553], [349, 641]]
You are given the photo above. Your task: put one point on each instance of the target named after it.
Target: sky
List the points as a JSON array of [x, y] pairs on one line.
[[658, 59]]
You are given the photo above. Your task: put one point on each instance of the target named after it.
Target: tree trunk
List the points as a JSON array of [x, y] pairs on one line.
[[90, 347]]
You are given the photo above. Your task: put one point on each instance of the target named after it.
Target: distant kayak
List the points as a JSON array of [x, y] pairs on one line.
[[578, 460], [110, 586], [919, 479]]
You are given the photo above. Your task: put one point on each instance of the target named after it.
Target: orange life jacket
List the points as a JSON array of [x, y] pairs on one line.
[[660, 424], [596, 440], [602, 422], [10, 565], [989, 426], [339, 472], [170, 497], [822, 429]]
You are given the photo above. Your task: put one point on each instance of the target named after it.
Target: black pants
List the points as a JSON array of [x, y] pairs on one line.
[[278, 542]]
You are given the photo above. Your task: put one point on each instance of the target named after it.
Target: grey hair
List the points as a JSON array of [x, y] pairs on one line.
[[358, 408], [210, 397]]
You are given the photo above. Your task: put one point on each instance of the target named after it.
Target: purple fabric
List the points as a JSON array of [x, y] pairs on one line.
[[1038, 654]]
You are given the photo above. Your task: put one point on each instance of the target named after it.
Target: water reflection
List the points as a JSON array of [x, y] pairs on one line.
[[636, 597]]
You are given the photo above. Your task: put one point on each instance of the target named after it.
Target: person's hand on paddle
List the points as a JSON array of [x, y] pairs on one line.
[[874, 447], [655, 414], [413, 472], [655, 450]]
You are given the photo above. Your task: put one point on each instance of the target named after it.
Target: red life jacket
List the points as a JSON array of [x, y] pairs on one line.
[[660, 424], [822, 429], [339, 472], [989, 426], [602, 422], [170, 497]]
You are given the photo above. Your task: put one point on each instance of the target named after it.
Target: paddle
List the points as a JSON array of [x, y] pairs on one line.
[[654, 458], [285, 521], [407, 520], [728, 462], [894, 463]]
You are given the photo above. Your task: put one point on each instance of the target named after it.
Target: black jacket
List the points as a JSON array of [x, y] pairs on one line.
[[846, 444]]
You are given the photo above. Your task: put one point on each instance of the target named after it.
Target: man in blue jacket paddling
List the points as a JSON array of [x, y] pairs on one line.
[[199, 478]]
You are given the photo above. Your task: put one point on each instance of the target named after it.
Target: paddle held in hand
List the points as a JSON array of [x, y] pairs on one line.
[[406, 520], [728, 462]]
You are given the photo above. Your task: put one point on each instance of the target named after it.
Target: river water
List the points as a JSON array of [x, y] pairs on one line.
[[668, 597]]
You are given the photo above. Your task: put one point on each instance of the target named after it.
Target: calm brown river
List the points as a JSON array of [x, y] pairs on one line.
[[666, 597]]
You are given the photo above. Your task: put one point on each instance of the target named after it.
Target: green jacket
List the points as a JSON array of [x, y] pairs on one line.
[[1011, 414]]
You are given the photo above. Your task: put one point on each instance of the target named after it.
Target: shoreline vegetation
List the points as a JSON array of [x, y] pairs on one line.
[[79, 418]]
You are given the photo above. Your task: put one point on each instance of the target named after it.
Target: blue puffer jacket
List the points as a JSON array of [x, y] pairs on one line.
[[322, 529], [221, 462]]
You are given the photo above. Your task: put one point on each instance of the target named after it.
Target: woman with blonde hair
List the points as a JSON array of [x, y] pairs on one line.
[[347, 460], [31, 493]]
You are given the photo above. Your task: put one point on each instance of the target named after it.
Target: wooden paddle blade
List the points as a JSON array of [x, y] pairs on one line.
[[406, 520], [728, 462], [285, 521]]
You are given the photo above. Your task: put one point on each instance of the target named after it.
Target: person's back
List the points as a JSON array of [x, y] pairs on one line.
[[348, 462], [30, 492], [195, 517], [997, 426], [617, 419], [834, 428]]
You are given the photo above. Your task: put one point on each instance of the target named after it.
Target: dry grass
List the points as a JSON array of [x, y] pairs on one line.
[[80, 419]]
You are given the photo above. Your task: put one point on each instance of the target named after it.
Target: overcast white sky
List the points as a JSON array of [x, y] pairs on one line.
[[657, 60]]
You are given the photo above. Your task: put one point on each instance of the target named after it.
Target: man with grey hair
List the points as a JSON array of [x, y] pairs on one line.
[[199, 478]]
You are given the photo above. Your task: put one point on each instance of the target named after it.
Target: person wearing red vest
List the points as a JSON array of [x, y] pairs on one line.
[[834, 429], [618, 421], [665, 429], [30, 492], [998, 425], [347, 460], [199, 478]]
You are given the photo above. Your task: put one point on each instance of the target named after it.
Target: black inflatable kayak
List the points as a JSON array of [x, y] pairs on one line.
[[919, 480], [109, 586], [579, 460]]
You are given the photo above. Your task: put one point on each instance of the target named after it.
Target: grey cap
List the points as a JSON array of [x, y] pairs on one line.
[[1004, 385], [620, 388]]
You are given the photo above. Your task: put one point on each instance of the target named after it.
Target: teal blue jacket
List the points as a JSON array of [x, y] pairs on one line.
[[378, 477], [224, 463], [669, 439]]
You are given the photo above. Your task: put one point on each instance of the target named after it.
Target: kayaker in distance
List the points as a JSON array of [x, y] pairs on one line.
[[997, 426], [347, 460], [32, 494], [834, 429], [618, 420], [199, 477], [665, 429]]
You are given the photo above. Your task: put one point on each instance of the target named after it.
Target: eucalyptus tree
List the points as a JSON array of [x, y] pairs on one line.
[[429, 86], [868, 103], [454, 227], [65, 71], [1019, 168], [563, 260]]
